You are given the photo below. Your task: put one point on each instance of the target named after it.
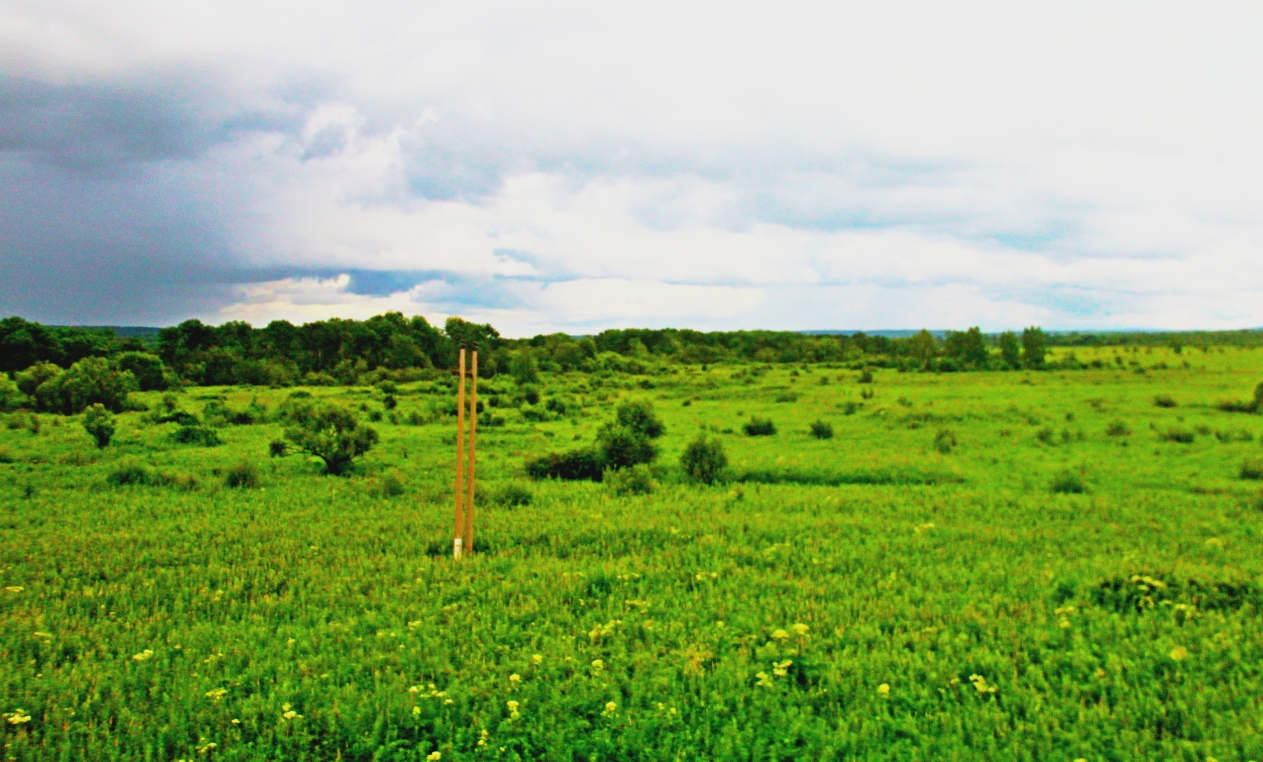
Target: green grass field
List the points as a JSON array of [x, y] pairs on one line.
[[878, 595]]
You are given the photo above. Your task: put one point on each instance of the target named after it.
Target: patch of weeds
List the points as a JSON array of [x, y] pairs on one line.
[[787, 397], [244, 475], [1067, 482], [278, 448], [512, 496], [1228, 437], [704, 460], [851, 407], [866, 376], [1118, 429], [1045, 435], [1179, 436], [1138, 593], [575, 465], [1252, 469], [196, 435], [7, 456], [389, 484], [945, 441], [635, 480], [821, 429], [1164, 400], [759, 427]]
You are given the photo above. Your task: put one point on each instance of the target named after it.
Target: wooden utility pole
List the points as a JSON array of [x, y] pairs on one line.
[[463, 541]]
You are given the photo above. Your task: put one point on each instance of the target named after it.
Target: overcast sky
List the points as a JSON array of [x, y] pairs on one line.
[[578, 166]]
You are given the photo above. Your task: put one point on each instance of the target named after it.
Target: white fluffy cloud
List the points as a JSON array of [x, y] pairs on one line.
[[570, 166]]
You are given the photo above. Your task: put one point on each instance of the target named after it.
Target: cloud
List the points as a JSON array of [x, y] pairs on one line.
[[571, 166]]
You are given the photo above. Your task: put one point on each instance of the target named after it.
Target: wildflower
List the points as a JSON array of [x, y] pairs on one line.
[[415, 623], [144, 655], [780, 669], [512, 705], [597, 666], [515, 678], [764, 680], [537, 659], [980, 685], [1179, 653], [204, 748], [610, 707], [14, 588], [217, 694], [883, 689], [17, 717], [801, 629], [449, 702], [416, 710], [780, 635], [482, 738], [288, 713], [434, 756], [414, 689], [236, 721]]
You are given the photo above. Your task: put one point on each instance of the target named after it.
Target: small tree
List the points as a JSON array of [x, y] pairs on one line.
[[640, 417], [1010, 350], [148, 370], [622, 446], [99, 423], [11, 397], [523, 368], [89, 381], [1034, 347], [331, 433], [704, 460]]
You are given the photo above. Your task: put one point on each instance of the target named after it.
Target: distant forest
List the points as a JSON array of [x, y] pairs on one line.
[[340, 351]]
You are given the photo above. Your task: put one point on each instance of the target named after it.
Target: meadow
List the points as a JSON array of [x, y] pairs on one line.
[[1058, 565]]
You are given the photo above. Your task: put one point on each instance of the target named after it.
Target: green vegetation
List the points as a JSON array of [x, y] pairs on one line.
[[976, 565], [99, 424]]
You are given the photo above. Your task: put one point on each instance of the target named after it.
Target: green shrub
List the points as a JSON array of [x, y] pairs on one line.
[[35, 376], [866, 376], [636, 480], [196, 435], [99, 423], [1164, 400], [513, 496], [11, 396], [389, 402], [1068, 482], [1118, 429], [131, 473], [759, 427], [7, 456], [575, 465], [822, 430], [851, 407], [1252, 469], [945, 441], [244, 475], [787, 397], [623, 447], [704, 460], [867, 394], [150, 373], [1045, 435], [278, 448], [389, 484], [1181, 436], [640, 418], [331, 433], [89, 381]]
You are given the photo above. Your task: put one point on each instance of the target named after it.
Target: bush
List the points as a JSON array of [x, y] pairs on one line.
[[34, 377], [851, 407], [822, 430], [244, 475], [131, 473], [622, 447], [1164, 400], [1118, 429], [1180, 436], [389, 402], [574, 465], [759, 427], [704, 460], [945, 441], [277, 448], [331, 433], [866, 376], [7, 456], [787, 397], [512, 496], [636, 480], [180, 417], [1252, 469], [99, 423], [88, 382], [148, 369], [1068, 482], [196, 435], [640, 418], [388, 485], [11, 396]]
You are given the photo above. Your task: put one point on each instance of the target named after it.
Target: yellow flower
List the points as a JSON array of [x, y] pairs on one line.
[[537, 659], [610, 707], [434, 756], [512, 705], [1179, 653], [416, 710], [801, 629], [288, 713], [17, 717], [780, 635], [515, 678], [143, 655], [15, 589], [764, 680], [780, 669], [597, 665], [883, 689], [217, 694]]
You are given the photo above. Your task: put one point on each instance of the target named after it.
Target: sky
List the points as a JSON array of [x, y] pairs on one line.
[[576, 166]]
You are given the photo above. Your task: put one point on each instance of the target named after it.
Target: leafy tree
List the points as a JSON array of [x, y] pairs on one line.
[[87, 382], [621, 446], [99, 423], [331, 433], [923, 347], [1034, 348], [148, 370], [1010, 349], [523, 368], [641, 418], [34, 377], [704, 460], [11, 397], [969, 347]]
